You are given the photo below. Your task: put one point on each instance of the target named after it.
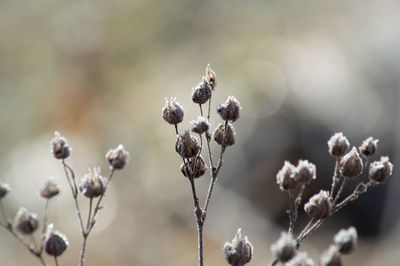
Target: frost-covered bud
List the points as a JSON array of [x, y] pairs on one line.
[[230, 110], [26, 222], [225, 137], [60, 147], [172, 112], [117, 157], [338, 144], [351, 164], [238, 252], [331, 257], [200, 125], [4, 190], [368, 147], [346, 240], [92, 184], [201, 93], [186, 145], [305, 172], [49, 189], [301, 259], [381, 170], [286, 177], [54, 243], [195, 168], [211, 78], [319, 205], [285, 248]]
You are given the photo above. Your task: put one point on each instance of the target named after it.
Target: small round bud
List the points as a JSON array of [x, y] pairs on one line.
[[319, 206], [285, 248], [195, 168], [225, 137], [305, 172], [286, 177], [368, 147], [381, 170], [92, 184], [200, 125], [60, 147], [55, 243], [239, 251], [202, 93], [26, 222], [186, 145], [49, 189], [346, 240], [351, 164], [4, 190], [211, 78], [117, 157], [172, 112], [301, 259], [230, 110], [338, 144], [331, 257]]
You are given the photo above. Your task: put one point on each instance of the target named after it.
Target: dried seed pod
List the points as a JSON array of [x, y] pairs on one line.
[[305, 172], [186, 145], [117, 157], [60, 147], [26, 222], [201, 93], [239, 251], [49, 189], [195, 167], [351, 164], [55, 243], [319, 205], [331, 257], [338, 144], [285, 248], [368, 147], [286, 177], [301, 259], [221, 138], [381, 170], [200, 125], [230, 110], [211, 78], [172, 112], [92, 184], [4, 190], [346, 240]]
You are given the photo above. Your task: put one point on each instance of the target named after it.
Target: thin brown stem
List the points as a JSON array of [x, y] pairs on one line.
[[201, 110], [337, 197], [55, 260], [290, 212], [275, 262], [44, 227], [209, 108], [90, 213], [335, 178], [83, 250]]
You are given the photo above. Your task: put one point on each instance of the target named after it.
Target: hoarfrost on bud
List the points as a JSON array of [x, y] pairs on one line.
[[286, 177], [186, 145], [351, 164], [195, 167], [60, 147], [230, 110], [92, 184], [172, 112], [346, 240], [4, 190], [319, 205], [305, 172], [201, 93], [338, 144], [117, 157], [49, 189], [225, 137], [301, 259], [54, 243], [381, 170], [285, 248], [210, 77], [239, 251], [26, 222], [200, 125], [331, 257], [368, 147]]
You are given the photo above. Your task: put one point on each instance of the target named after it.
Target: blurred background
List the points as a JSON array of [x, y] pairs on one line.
[[99, 71]]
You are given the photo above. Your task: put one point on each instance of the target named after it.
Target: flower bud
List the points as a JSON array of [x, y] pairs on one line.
[[200, 125], [368, 147], [195, 168], [286, 177], [202, 93], [230, 110], [346, 240], [301, 259], [221, 138], [305, 172], [319, 206], [92, 184], [172, 112], [26, 222], [238, 252], [211, 78], [60, 147], [186, 145], [331, 257], [351, 164], [49, 189], [285, 248], [117, 157], [381, 170], [55, 243], [4, 190], [338, 144]]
